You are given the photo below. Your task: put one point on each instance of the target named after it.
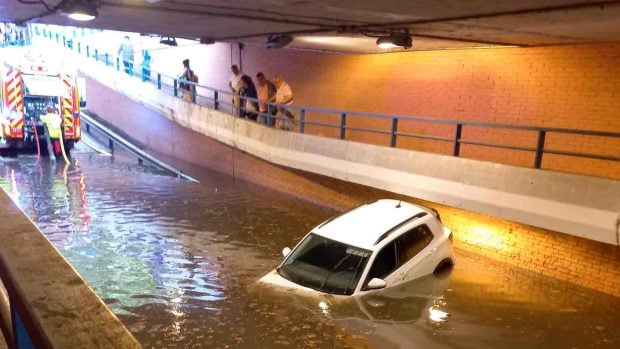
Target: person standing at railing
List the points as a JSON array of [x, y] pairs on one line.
[[284, 96], [266, 93], [125, 52], [235, 85], [146, 65], [187, 76], [249, 107]]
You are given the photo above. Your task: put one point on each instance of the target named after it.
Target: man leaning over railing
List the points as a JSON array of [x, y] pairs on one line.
[[284, 96]]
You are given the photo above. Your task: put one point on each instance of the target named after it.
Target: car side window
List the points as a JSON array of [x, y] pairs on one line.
[[412, 242], [384, 264], [399, 252]]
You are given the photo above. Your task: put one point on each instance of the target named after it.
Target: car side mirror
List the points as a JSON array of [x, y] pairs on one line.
[[286, 251], [376, 284]]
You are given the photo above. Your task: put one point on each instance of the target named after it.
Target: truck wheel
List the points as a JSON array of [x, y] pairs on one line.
[[9, 149]]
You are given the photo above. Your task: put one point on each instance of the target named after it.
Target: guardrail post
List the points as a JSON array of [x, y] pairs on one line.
[[216, 103], [270, 116], [87, 51], [159, 81], [302, 121], [107, 59], [458, 130], [88, 128], [96, 55], [111, 145], [176, 88], [118, 64], [394, 132], [540, 148], [238, 111], [343, 125], [64, 41], [57, 38], [79, 47], [193, 90]]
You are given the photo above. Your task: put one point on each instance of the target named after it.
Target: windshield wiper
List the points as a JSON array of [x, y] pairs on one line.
[[357, 270], [329, 273]]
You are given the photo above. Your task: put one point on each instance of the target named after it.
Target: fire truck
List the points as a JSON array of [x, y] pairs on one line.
[[25, 96]]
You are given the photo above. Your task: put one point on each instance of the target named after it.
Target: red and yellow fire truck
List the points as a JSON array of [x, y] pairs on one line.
[[25, 96]]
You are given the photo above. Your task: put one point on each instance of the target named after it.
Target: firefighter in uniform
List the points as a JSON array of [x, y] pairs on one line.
[[53, 130]]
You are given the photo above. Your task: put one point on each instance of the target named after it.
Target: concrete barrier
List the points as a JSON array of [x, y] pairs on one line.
[[50, 304], [578, 205]]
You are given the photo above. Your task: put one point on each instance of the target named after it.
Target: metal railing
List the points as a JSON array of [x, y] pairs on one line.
[[116, 140], [219, 99]]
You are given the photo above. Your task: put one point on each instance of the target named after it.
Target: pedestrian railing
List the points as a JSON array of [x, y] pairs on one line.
[[388, 130], [90, 125]]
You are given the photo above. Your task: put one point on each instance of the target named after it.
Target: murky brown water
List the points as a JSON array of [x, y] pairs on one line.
[[178, 262]]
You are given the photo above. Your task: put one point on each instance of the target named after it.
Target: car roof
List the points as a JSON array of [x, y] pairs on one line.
[[364, 225]]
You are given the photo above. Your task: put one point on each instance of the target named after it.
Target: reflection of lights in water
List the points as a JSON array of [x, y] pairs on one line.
[[324, 306], [176, 328], [436, 315], [84, 201], [13, 184], [177, 312]]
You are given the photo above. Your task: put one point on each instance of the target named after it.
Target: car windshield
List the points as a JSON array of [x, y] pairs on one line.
[[325, 265]]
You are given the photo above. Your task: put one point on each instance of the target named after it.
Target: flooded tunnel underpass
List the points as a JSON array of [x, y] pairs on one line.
[[178, 263]]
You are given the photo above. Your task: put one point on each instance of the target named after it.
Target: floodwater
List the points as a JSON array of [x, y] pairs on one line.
[[178, 263]]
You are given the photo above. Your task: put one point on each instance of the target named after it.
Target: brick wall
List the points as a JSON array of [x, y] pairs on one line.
[[574, 86], [582, 262]]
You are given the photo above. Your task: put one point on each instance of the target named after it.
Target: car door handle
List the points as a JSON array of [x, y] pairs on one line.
[[432, 251]]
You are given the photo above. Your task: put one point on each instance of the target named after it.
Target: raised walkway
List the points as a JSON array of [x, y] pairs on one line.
[[51, 306]]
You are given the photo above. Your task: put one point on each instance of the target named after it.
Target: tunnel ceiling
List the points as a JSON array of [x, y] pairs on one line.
[[349, 25]]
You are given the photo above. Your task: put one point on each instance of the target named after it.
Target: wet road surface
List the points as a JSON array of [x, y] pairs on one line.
[[178, 263]]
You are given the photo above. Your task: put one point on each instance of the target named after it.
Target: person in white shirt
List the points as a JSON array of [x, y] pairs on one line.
[[284, 96], [235, 84]]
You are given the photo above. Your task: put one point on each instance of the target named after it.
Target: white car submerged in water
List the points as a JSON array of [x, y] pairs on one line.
[[375, 246]]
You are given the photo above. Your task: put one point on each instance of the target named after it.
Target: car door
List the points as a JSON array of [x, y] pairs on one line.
[[414, 254], [404, 258]]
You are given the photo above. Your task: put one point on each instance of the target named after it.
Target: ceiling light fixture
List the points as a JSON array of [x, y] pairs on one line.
[[207, 40], [168, 40], [81, 10], [394, 41], [278, 41]]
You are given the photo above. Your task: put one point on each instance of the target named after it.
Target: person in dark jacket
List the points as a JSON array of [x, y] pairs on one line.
[[248, 107]]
